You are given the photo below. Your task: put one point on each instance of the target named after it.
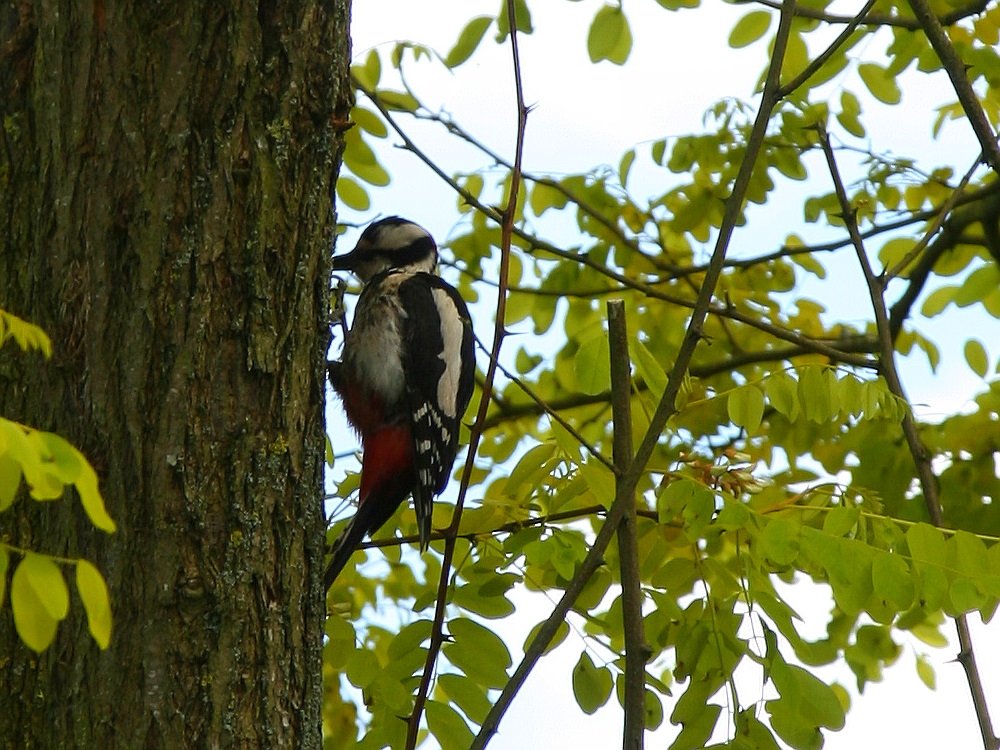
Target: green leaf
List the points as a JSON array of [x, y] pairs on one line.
[[96, 602], [746, 407], [677, 495], [895, 250], [369, 122], [4, 563], [649, 368], [530, 468], [447, 726], [808, 262], [849, 115], [368, 73], [10, 480], [749, 28], [592, 366], [814, 395], [625, 165], [561, 632], [591, 684], [90, 498], [352, 195], [926, 672], [965, 596], [399, 101], [841, 520], [482, 641], [39, 599], [362, 668], [409, 638], [610, 37], [782, 393], [492, 605], [467, 695], [468, 41], [600, 480], [892, 581], [880, 82], [27, 335], [927, 544], [522, 17], [976, 357], [780, 541], [545, 196]]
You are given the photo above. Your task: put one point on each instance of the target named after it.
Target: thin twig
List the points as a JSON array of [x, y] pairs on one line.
[[882, 19], [451, 534], [637, 652], [946, 208], [919, 452]]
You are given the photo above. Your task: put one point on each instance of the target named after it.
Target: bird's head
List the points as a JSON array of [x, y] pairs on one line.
[[389, 243]]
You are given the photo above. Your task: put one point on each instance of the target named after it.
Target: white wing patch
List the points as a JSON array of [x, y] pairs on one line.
[[452, 333]]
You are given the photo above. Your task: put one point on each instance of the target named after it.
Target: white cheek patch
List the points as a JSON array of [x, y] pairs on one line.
[[401, 235], [452, 333]]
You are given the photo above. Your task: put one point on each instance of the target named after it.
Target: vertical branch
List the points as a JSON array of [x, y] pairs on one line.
[[451, 533], [637, 653], [921, 456]]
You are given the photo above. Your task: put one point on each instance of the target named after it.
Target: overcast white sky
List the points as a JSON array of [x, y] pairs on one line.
[[584, 115]]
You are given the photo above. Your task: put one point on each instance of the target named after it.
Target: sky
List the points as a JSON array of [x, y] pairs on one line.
[[587, 114]]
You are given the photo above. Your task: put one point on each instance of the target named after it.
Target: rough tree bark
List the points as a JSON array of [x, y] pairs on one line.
[[166, 173]]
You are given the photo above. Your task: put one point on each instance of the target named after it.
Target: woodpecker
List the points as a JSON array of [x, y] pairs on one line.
[[405, 377]]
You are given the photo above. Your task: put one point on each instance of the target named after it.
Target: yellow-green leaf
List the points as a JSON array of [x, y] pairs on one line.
[[591, 685], [592, 366], [848, 117], [880, 82], [750, 28], [926, 672], [368, 73], [746, 407], [4, 561], [892, 581], [447, 726], [976, 357], [39, 599], [90, 498], [610, 37], [10, 480], [468, 41], [96, 602], [352, 195], [27, 335]]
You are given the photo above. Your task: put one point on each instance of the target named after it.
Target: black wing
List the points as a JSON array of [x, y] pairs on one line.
[[440, 366]]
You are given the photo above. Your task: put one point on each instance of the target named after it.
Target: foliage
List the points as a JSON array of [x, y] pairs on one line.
[[48, 464], [792, 454]]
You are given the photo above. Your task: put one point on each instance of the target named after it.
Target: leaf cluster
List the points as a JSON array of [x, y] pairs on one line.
[[49, 465]]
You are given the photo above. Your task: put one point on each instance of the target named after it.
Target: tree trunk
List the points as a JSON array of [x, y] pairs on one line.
[[166, 173]]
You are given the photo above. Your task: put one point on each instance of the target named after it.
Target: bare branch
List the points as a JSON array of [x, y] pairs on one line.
[[637, 652]]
